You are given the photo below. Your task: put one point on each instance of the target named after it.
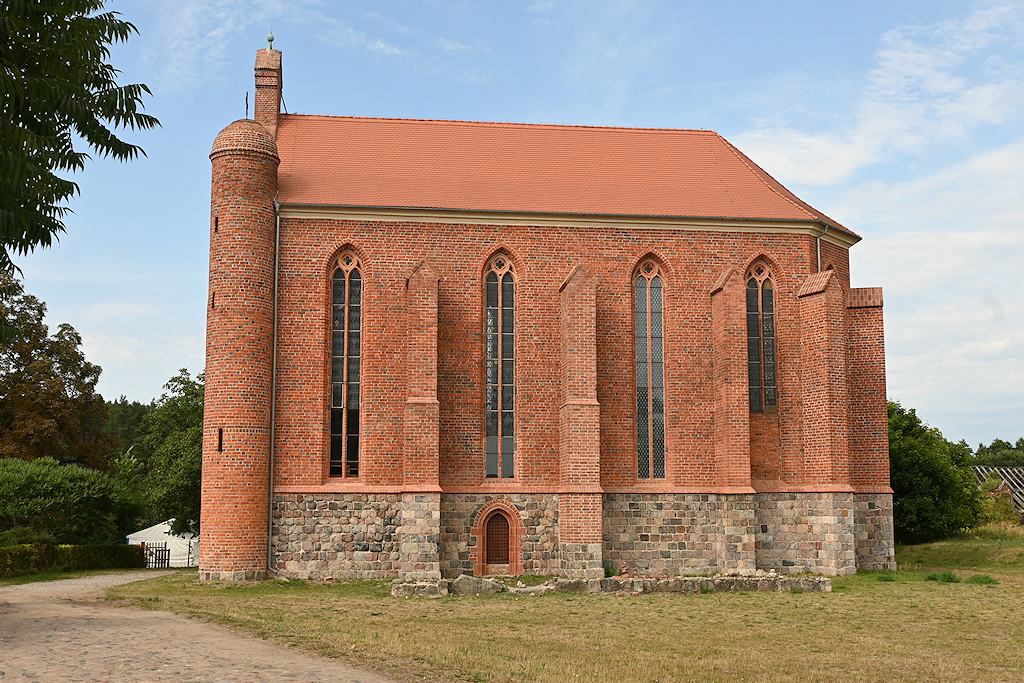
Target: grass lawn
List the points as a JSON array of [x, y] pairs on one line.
[[927, 622]]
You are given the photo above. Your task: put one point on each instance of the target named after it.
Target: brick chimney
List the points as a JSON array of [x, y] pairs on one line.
[[268, 89]]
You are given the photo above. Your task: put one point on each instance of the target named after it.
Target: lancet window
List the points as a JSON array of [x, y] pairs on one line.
[[499, 368], [762, 361], [648, 298], [346, 335]]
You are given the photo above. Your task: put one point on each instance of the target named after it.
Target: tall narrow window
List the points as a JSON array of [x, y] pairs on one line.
[[346, 330], [499, 362], [761, 360], [650, 371]]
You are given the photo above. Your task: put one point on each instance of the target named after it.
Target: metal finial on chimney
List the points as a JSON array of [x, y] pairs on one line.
[[270, 39]]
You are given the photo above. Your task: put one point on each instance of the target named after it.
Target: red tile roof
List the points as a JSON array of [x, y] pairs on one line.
[[526, 168]]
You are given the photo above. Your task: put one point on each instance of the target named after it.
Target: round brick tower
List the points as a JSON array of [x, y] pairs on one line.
[[239, 329]]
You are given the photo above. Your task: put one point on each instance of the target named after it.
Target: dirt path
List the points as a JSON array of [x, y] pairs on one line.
[[59, 631]]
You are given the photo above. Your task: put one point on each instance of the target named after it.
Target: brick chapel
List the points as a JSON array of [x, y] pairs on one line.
[[448, 347]]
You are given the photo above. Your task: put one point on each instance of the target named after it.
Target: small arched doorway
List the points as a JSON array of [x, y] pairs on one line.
[[497, 539]]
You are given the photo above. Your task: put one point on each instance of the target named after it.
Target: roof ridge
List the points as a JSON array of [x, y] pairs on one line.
[[513, 124]]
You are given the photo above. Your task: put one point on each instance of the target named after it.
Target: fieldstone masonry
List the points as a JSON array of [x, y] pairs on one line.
[[806, 532], [679, 533], [873, 531], [354, 536], [539, 514], [425, 537]]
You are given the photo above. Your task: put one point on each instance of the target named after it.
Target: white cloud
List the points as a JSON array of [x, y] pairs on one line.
[[344, 36], [936, 121], [946, 247], [121, 355], [451, 45], [541, 6], [931, 87], [194, 37], [112, 310]]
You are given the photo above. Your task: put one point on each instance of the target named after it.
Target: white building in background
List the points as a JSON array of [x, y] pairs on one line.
[[184, 549]]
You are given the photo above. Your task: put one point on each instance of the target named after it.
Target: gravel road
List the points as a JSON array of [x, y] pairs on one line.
[[61, 631]]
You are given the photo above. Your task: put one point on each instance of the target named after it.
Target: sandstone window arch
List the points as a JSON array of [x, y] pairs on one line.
[[762, 351], [499, 367], [649, 349], [346, 350]]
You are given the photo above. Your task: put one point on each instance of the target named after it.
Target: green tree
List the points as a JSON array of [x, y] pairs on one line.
[[174, 436], [48, 400], [57, 88], [126, 424], [1000, 453], [70, 503], [935, 492]]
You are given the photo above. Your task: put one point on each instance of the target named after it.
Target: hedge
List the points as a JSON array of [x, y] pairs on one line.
[[17, 560]]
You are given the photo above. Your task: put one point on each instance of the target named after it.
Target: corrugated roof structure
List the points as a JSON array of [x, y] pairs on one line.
[[527, 168]]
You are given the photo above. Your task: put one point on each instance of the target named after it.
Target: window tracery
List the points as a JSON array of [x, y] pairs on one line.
[[648, 294], [762, 361], [499, 368], [346, 333]]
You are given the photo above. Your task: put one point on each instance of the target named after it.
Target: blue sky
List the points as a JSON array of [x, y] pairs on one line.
[[900, 120]]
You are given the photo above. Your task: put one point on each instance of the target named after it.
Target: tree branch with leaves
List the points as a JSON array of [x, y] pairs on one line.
[[57, 88]]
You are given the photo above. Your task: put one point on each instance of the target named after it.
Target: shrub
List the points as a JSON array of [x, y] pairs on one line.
[[32, 559], [983, 579], [25, 535], [935, 492], [73, 504], [943, 577]]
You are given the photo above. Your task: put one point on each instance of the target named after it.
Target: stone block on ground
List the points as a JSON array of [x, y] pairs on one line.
[[428, 589], [464, 584]]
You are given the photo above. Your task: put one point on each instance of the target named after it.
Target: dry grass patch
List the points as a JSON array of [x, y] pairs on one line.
[[907, 629]]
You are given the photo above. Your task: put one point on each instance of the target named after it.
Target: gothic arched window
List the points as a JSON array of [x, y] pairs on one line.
[[648, 288], [762, 364], [346, 331], [499, 368]]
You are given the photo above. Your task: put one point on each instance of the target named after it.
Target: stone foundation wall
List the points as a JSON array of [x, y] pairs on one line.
[[539, 514], [420, 536], [873, 528], [340, 535], [431, 536], [657, 533], [806, 532]]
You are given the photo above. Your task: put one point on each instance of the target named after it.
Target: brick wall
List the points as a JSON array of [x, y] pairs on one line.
[[239, 324], [543, 258]]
